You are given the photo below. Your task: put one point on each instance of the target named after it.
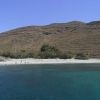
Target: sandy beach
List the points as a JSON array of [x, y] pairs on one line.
[[46, 61]]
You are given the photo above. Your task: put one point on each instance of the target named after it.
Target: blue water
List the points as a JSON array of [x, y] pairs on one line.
[[50, 82]]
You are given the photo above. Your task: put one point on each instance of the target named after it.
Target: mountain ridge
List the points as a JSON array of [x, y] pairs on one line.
[[72, 37]]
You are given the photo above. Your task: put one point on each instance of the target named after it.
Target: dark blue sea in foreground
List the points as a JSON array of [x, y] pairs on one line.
[[50, 82]]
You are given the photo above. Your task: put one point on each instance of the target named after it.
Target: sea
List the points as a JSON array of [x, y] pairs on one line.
[[50, 82]]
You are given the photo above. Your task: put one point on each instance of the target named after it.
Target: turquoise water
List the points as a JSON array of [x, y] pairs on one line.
[[50, 82]]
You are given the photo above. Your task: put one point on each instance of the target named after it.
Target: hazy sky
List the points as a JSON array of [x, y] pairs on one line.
[[17, 13]]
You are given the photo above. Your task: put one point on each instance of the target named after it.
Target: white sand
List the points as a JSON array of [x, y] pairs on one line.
[[47, 61]]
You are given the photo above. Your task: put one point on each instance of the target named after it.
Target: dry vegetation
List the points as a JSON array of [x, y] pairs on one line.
[[75, 37]]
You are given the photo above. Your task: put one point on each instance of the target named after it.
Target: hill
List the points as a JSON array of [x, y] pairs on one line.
[[74, 37]]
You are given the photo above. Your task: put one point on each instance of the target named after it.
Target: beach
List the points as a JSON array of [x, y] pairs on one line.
[[46, 61]]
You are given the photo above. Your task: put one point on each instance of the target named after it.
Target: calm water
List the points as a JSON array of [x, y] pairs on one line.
[[50, 82]]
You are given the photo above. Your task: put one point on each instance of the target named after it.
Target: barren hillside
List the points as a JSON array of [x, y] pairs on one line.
[[73, 36]]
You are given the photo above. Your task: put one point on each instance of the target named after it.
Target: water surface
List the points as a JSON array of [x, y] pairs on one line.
[[50, 82]]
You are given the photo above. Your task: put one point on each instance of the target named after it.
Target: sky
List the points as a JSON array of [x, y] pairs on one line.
[[19, 13]]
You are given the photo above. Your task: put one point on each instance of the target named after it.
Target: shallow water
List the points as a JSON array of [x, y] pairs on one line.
[[50, 82]]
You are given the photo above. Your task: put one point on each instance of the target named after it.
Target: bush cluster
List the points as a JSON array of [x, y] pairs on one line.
[[82, 56], [17, 55], [46, 51]]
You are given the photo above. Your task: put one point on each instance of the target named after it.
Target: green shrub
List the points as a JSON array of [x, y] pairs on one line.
[[82, 56], [48, 48], [22, 54], [65, 55], [25, 54], [6, 54], [47, 33], [48, 51]]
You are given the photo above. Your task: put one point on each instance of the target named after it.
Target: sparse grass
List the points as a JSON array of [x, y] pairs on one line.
[[83, 38]]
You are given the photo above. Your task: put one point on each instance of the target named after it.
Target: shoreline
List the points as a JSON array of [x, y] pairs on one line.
[[47, 61]]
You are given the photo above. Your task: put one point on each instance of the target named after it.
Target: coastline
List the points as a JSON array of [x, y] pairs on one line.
[[46, 61]]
